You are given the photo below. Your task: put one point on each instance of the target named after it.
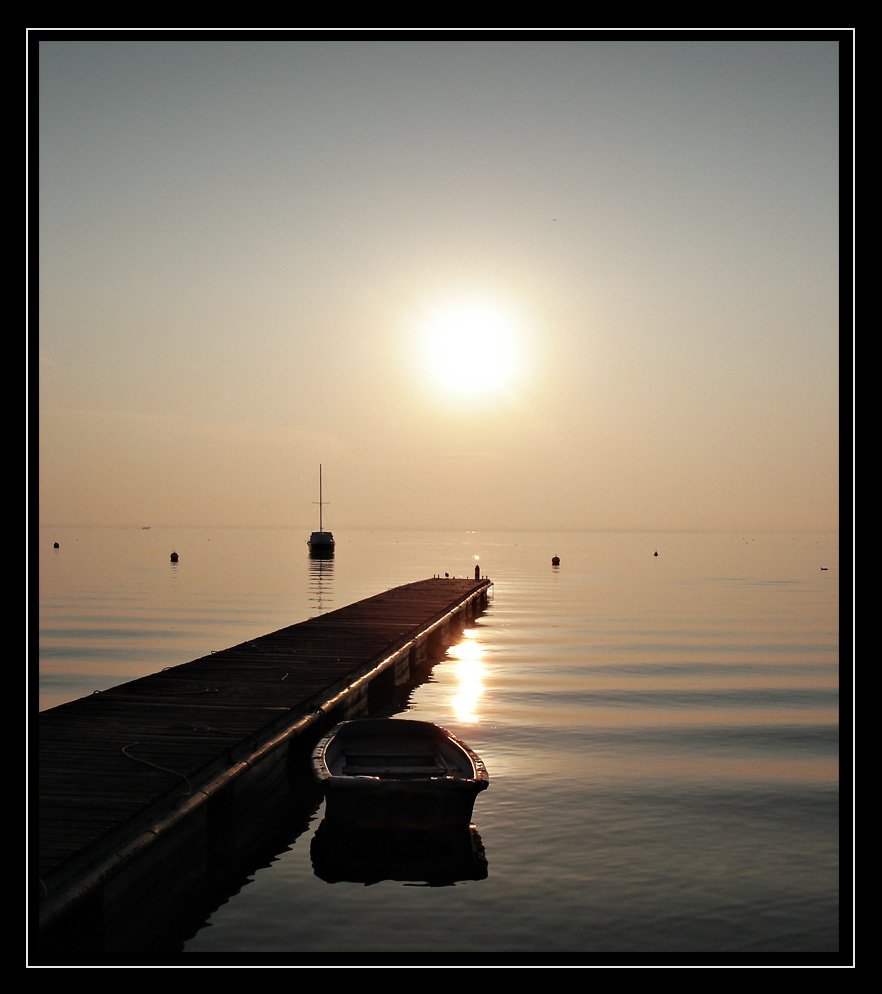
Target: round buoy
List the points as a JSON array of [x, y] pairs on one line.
[[555, 560], [174, 557], [55, 546], [656, 552]]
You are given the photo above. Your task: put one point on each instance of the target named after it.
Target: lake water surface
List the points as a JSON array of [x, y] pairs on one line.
[[661, 733]]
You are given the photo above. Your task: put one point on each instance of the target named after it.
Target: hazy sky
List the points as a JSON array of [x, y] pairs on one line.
[[249, 251]]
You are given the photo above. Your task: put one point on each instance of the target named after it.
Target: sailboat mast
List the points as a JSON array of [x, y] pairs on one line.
[[321, 543]]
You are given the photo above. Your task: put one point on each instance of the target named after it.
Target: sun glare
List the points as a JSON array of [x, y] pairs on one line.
[[469, 677], [472, 350]]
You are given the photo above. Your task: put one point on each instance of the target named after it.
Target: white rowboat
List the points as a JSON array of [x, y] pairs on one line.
[[398, 772]]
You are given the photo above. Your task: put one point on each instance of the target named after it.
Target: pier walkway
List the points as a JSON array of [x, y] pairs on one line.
[[151, 783]]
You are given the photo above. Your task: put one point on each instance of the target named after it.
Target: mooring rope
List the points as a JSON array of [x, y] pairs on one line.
[[156, 766]]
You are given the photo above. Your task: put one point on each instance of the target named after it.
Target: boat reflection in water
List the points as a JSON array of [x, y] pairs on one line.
[[342, 851], [321, 583]]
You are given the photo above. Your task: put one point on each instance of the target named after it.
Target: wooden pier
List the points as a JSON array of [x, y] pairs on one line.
[[146, 788]]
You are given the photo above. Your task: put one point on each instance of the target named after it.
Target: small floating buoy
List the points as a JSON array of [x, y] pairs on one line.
[[555, 560], [174, 557], [656, 552], [55, 546]]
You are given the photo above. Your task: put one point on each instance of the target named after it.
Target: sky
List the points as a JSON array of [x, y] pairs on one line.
[[485, 284]]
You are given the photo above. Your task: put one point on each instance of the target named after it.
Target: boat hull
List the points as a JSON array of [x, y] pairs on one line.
[[321, 544], [398, 773]]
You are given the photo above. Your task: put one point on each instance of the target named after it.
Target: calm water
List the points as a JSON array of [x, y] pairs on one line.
[[661, 732]]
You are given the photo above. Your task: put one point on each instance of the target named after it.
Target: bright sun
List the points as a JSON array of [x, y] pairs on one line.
[[472, 349]]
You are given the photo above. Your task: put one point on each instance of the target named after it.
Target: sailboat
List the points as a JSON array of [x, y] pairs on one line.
[[321, 543]]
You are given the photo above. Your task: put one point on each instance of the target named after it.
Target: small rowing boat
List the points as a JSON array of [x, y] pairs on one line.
[[398, 772]]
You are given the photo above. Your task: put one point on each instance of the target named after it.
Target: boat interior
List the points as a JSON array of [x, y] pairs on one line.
[[428, 763]]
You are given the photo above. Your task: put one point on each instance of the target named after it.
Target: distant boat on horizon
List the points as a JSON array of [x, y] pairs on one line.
[[321, 543]]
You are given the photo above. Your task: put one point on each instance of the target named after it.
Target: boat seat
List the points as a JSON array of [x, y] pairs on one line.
[[389, 759], [361, 769]]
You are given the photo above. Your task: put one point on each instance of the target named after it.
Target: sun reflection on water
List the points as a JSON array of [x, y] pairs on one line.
[[469, 672]]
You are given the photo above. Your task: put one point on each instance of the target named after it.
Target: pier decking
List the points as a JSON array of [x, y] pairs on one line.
[[151, 783]]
